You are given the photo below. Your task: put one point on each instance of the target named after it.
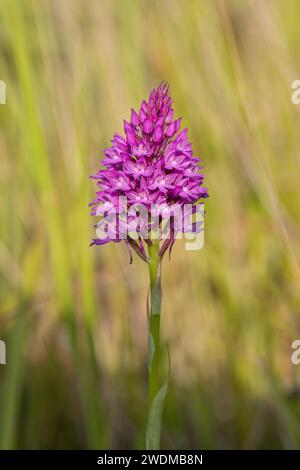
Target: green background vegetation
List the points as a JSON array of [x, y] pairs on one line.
[[74, 317]]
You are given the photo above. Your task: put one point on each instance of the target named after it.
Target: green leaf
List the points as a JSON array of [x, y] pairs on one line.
[[155, 418]]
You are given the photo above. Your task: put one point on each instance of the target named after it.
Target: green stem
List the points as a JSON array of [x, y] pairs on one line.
[[154, 384]]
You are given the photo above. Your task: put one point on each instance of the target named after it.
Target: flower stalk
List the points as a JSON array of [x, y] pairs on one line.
[[157, 389], [154, 321]]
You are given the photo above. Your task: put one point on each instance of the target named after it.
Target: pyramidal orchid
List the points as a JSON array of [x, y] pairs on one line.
[[149, 175]]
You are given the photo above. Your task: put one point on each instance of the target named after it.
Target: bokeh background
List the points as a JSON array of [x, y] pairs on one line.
[[74, 317]]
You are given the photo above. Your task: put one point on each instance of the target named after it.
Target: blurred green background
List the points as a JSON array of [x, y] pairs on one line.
[[74, 317]]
